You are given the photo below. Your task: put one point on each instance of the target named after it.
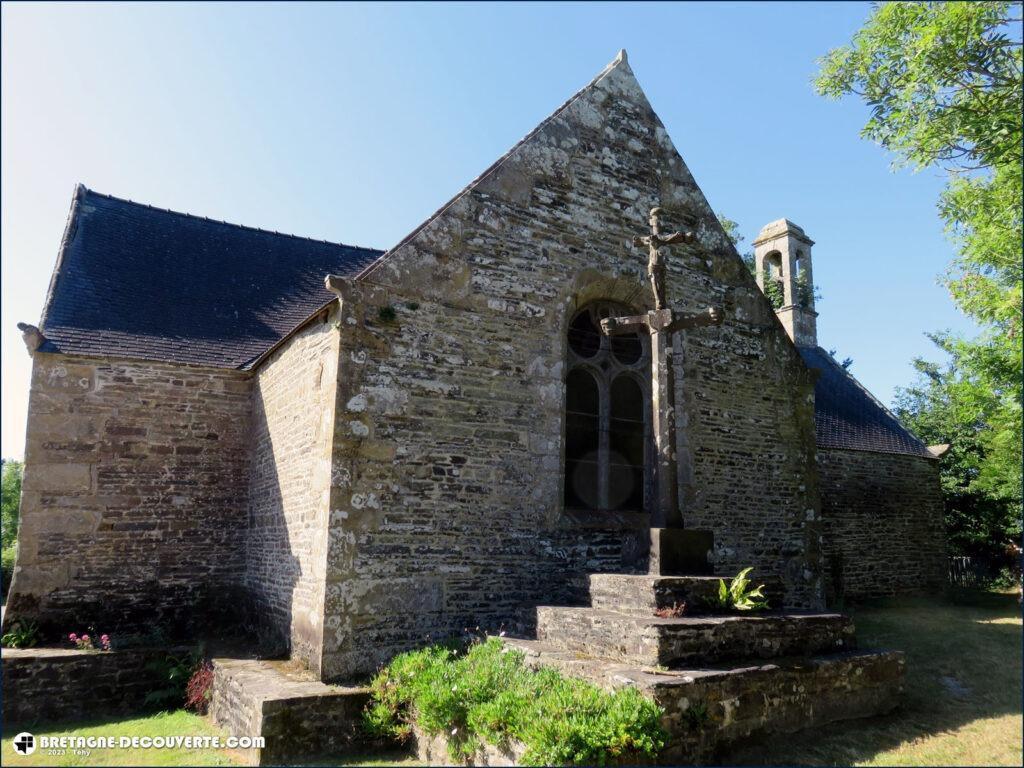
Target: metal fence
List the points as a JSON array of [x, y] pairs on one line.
[[969, 571]]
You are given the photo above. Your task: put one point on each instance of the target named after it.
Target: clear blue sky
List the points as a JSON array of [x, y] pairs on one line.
[[354, 122]]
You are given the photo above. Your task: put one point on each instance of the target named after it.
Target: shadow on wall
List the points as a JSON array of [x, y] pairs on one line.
[[289, 490], [272, 570]]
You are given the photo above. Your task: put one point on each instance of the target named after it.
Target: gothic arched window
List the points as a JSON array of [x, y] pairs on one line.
[[607, 422]]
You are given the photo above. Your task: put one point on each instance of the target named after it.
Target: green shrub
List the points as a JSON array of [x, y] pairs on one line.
[[486, 694], [7, 557], [173, 672], [10, 499]]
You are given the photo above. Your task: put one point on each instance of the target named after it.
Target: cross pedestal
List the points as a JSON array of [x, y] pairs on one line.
[[680, 552]]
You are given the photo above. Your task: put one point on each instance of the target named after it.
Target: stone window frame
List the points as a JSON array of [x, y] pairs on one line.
[[606, 368]]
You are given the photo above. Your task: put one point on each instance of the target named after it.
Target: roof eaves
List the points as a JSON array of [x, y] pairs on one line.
[[876, 401], [255, 362]]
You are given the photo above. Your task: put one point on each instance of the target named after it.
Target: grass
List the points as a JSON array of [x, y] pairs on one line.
[[963, 692], [962, 706], [180, 723]]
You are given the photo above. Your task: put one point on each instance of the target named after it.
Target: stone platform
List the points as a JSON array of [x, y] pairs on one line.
[[721, 679], [652, 641], [299, 716], [710, 708]]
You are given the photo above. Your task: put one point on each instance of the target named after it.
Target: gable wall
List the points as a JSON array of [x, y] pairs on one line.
[[133, 502], [883, 524], [446, 495], [293, 417]]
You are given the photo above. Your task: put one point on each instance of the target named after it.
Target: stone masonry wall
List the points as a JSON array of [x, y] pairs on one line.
[[446, 499], [883, 523], [293, 417], [133, 503]]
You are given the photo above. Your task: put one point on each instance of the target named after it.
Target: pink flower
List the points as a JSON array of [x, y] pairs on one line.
[[104, 638], [85, 638], [73, 637]]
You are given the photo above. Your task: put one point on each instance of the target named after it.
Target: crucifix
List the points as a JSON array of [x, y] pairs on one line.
[[672, 549]]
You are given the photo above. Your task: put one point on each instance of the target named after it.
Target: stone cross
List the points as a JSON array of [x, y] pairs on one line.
[[662, 323]]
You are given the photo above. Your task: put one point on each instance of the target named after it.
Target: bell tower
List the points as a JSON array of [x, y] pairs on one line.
[[782, 257]]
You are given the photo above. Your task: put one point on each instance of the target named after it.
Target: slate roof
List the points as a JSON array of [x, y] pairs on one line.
[[136, 281], [847, 416]]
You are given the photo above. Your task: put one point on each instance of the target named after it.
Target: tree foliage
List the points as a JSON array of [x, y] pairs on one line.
[[942, 80], [10, 498], [944, 84], [773, 290], [980, 477]]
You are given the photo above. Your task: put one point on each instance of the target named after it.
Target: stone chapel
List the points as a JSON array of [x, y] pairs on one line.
[[366, 449]]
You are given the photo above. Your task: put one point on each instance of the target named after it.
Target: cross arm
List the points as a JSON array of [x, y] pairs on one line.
[[678, 237], [616, 326], [710, 316]]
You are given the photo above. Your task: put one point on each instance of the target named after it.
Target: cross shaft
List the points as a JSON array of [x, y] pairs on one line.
[[662, 323]]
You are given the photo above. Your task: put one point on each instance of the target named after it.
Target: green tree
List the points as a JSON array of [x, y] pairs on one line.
[[772, 289], [945, 406], [944, 84], [10, 499]]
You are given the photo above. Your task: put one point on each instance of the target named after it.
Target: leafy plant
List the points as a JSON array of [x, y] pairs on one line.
[[174, 672], [486, 694], [738, 596], [674, 611], [199, 689], [775, 293], [23, 634], [806, 292]]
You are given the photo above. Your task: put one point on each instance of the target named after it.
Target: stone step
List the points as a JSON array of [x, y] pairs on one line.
[[300, 717], [642, 595], [653, 642], [710, 708]]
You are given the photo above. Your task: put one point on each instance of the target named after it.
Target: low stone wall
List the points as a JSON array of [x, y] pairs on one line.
[[299, 716], [433, 750], [783, 696], [710, 710], [47, 685]]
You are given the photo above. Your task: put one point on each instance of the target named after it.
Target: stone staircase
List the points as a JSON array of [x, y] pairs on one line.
[[721, 679]]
